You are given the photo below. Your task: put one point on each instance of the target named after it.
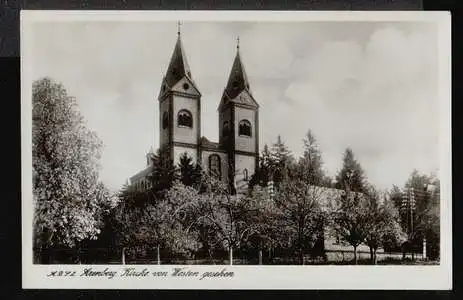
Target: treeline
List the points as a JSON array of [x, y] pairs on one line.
[[187, 214]]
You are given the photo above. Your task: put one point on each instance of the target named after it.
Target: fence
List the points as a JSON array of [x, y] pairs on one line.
[[113, 256]]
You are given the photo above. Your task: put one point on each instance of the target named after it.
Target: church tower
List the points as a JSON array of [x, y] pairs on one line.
[[179, 108], [239, 125]]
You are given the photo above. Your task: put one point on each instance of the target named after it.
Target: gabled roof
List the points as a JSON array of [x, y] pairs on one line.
[[244, 98]]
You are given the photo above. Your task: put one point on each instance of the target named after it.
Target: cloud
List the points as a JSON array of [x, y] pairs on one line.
[[377, 98], [369, 86]]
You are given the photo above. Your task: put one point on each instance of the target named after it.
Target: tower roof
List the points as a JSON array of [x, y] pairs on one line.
[[238, 80], [178, 66], [237, 84]]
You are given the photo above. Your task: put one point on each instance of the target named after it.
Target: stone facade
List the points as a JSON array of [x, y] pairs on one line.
[[234, 158]]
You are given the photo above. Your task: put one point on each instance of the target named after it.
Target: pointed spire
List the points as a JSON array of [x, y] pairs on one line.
[[178, 66], [238, 80]]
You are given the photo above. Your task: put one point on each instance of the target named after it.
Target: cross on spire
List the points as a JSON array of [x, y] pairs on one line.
[[238, 42], [178, 28]]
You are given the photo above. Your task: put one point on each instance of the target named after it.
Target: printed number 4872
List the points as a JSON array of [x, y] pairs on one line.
[[62, 273]]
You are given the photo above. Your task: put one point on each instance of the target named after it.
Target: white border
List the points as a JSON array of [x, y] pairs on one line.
[[248, 277]]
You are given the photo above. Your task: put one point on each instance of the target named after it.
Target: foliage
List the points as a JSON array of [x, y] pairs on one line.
[[351, 215], [310, 164], [228, 215], [281, 160], [276, 164], [267, 223], [190, 173], [351, 176], [383, 223], [69, 199], [396, 196], [165, 173], [129, 216], [350, 219], [219, 219], [300, 214], [262, 175], [424, 221], [144, 220]]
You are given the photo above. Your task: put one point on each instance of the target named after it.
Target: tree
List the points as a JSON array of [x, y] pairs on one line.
[[383, 223], [69, 198], [301, 215], [267, 224], [396, 196], [190, 173], [262, 175], [164, 173], [183, 238], [225, 216], [143, 220], [129, 217], [281, 161], [393, 233], [311, 164], [350, 217], [266, 157], [431, 222], [351, 176], [424, 215], [350, 220]]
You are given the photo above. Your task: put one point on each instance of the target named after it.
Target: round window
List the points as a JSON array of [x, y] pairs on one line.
[[185, 86]]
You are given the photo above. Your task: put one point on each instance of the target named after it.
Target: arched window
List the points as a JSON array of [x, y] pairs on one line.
[[215, 166], [244, 128], [225, 129], [184, 118], [165, 120], [245, 175]]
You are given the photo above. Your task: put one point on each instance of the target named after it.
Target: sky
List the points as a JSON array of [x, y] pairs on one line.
[[370, 86]]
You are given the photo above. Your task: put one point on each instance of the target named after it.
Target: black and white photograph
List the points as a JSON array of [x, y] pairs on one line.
[[269, 143]]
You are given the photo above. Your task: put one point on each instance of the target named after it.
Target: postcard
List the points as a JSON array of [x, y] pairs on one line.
[[236, 150]]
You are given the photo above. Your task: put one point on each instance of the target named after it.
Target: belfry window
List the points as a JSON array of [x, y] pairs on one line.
[[165, 120], [244, 128], [184, 118], [215, 167]]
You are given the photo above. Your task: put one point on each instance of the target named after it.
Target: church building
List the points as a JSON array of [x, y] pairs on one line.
[[234, 157]]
